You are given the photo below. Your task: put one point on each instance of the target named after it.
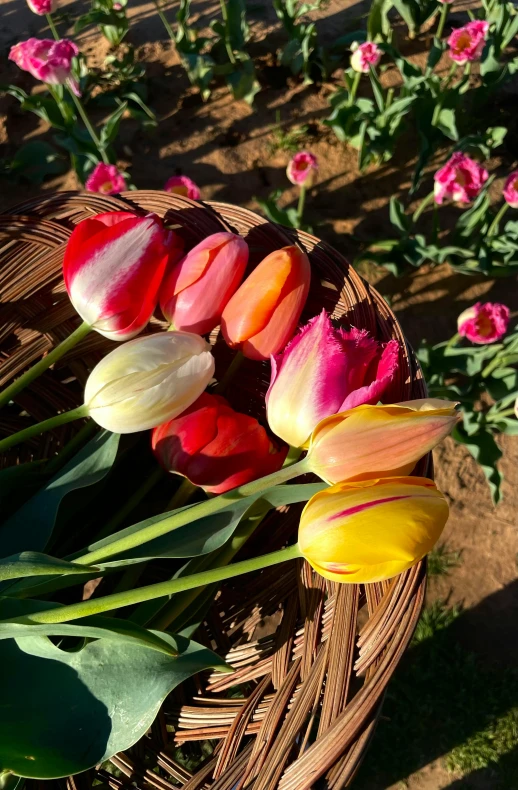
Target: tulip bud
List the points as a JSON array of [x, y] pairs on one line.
[[510, 191], [372, 530], [484, 323], [324, 371], [194, 293], [262, 315], [147, 381], [113, 266], [378, 441], [216, 447]]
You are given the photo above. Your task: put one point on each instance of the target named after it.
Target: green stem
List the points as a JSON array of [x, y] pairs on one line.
[[496, 362], [164, 21], [45, 363], [130, 597], [229, 374], [442, 20], [453, 340], [183, 493], [41, 427], [228, 46], [131, 503], [52, 27], [300, 206], [90, 128], [354, 88], [186, 516], [293, 456], [498, 415], [493, 228], [427, 200]]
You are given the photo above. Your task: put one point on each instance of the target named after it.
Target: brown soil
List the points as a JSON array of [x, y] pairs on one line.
[[225, 147]]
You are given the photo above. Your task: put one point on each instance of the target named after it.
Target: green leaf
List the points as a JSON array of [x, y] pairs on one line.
[[110, 129], [447, 124], [486, 453], [398, 217], [31, 563], [30, 527], [64, 712], [36, 160]]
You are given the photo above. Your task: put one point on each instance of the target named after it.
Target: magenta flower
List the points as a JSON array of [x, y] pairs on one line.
[[484, 322], [324, 371], [105, 179], [48, 61], [182, 185], [302, 168], [460, 179], [42, 7], [364, 56], [511, 189], [466, 43]]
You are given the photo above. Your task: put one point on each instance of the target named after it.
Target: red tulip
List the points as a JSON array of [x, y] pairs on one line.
[[113, 267], [262, 315], [194, 293], [216, 447]]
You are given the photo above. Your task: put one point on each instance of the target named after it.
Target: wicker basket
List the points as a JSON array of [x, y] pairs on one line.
[[314, 682]]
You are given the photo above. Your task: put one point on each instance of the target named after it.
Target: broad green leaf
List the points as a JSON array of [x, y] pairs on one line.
[[31, 563], [95, 627], [398, 217], [64, 712], [36, 160], [486, 453], [30, 527], [447, 124]]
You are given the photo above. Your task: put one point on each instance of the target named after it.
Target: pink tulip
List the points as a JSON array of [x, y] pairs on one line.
[[48, 61], [467, 43], [324, 371], [182, 185], [105, 179], [460, 179], [364, 56], [113, 267], [216, 447], [484, 323], [511, 189], [42, 7], [302, 168], [196, 291]]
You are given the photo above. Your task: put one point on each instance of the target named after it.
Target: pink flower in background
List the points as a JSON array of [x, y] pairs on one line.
[[364, 56], [302, 168], [48, 61], [484, 322], [511, 189], [182, 185], [117, 6], [460, 179], [446, 2], [105, 179], [42, 7], [466, 43]]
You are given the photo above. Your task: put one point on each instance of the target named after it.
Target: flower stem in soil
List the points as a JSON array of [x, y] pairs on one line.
[[52, 26], [45, 363], [91, 131]]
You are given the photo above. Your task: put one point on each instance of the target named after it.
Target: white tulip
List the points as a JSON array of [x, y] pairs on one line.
[[149, 380]]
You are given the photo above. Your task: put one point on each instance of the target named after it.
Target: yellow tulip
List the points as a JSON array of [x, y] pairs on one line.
[[378, 441], [371, 530]]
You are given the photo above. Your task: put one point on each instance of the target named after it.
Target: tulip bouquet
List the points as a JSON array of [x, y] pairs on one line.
[[366, 519], [483, 376]]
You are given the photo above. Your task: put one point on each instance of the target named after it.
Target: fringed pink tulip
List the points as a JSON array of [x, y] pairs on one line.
[[263, 313], [460, 179], [371, 531], [378, 441], [511, 189], [484, 322], [47, 60], [216, 447], [182, 185], [113, 267], [195, 292], [364, 56], [42, 7], [302, 168], [105, 179], [324, 371], [467, 43]]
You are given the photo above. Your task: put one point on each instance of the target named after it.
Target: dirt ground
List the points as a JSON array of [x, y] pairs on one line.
[[225, 147]]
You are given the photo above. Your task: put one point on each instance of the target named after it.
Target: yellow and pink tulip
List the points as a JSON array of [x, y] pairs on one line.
[[372, 530]]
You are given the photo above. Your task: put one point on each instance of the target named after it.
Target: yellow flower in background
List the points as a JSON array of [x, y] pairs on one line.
[[379, 441], [371, 530]]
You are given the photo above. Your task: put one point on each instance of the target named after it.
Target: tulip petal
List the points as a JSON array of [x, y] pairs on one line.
[[380, 372]]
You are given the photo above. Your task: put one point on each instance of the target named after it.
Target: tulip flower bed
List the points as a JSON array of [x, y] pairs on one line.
[[157, 576]]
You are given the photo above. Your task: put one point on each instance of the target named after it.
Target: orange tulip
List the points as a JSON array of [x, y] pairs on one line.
[[262, 315]]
